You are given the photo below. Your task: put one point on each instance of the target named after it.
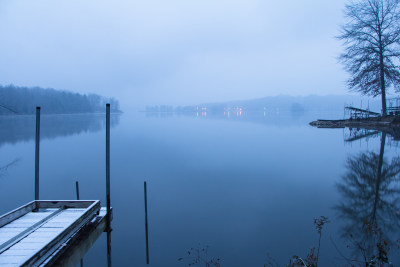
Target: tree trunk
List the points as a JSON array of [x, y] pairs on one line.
[[382, 77], [383, 90], [378, 178]]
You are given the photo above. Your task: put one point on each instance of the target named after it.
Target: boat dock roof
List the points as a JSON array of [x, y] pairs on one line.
[[364, 111]]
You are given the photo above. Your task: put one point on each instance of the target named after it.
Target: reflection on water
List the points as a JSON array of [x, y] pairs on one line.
[[14, 129], [370, 197], [354, 134], [3, 169], [159, 114], [276, 117], [245, 185]]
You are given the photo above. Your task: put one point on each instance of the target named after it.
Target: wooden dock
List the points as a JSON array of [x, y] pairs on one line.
[[50, 233], [372, 122]]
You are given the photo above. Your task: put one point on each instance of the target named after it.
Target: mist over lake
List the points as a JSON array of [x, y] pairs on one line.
[[243, 133], [243, 187]]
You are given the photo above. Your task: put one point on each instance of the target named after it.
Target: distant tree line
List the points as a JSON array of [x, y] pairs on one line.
[[24, 100], [272, 104]]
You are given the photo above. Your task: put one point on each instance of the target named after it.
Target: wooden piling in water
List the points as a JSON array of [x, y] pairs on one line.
[[109, 249], [37, 146], [108, 166], [77, 198], [108, 228], [146, 223], [77, 190]]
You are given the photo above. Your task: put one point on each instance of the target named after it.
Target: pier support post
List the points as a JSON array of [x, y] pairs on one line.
[[146, 223], [77, 190], [77, 198], [108, 227], [37, 146], [109, 262], [108, 167]]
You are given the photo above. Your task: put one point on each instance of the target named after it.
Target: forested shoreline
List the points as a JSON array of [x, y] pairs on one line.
[[24, 100]]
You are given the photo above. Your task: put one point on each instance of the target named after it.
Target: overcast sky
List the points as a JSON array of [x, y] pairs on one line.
[[173, 51]]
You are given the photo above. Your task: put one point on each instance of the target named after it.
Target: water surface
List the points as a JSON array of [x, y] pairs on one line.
[[244, 186]]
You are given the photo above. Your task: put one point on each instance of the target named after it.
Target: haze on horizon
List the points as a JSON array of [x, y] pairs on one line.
[[173, 52]]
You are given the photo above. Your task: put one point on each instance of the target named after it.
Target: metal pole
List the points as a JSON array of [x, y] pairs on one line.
[[37, 145], [108, 229], [77, 197], [108, 167], [109, 263], [146, 224], [77, 189]]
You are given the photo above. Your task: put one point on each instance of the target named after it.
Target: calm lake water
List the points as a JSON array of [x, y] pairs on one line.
[[244, 186]]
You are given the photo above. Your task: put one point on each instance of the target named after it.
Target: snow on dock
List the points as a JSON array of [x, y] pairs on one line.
[[38, 233]]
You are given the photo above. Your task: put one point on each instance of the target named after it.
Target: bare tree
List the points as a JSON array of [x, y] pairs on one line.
[[371, 37], [370, 197]]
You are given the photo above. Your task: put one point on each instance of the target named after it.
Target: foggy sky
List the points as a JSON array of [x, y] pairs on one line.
[[173, 51]]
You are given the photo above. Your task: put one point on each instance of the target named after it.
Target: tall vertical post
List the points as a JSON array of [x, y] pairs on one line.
[[108, 166], [108, 229], [77, 190], [146, 224], [77, 198], [109, 262], [37, 146]]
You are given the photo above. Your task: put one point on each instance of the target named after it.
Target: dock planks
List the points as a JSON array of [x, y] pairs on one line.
[[33, 233]]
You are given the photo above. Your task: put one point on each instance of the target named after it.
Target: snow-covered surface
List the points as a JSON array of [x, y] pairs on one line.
[[30, 233]]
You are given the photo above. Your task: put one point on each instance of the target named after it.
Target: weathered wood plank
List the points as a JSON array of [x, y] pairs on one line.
[[25, 221], [71, 252], [33, 232], [17, 225], [18, 212], [48, 230], [5, 231], [53, 245], [17, 252], [43, 234], [11, 259], [65, 203], [11, 233], [27, 246], [27, 231], [35, 239]]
